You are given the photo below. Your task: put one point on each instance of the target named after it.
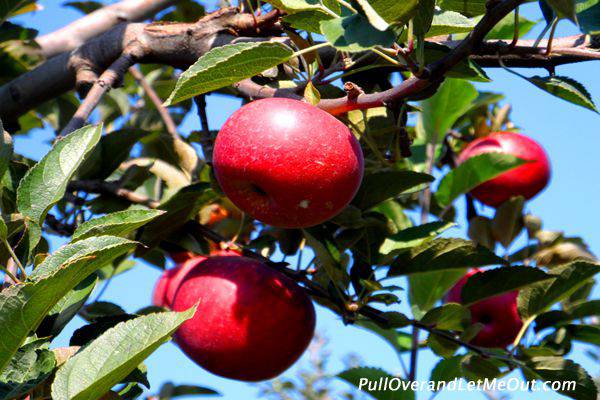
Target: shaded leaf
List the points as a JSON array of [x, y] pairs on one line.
[[500, 280], [359, 376], [354, 34], [561, 370], [443, 254], [565, 88], [380, 186], [540, 296]]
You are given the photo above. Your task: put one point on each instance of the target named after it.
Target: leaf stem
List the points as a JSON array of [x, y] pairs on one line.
[[385, 56], [309, 49], [10, 274], [521, 333], [15, 258], [551, 37], [347, 5]]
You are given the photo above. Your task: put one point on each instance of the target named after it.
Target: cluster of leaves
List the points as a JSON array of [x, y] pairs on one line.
[[362, 257]]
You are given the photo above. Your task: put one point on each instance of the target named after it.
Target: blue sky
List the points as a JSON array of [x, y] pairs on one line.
[[570, 135]]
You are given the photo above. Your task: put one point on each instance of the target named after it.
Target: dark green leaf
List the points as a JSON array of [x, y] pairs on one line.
[[477, 367], [85, 7], [451, 316], [473, 172], [354, 34], [443, 254], [561, 370], [564, 9], [31, 365], [560, 317], [170, 391], [380, 186], [588, 16], [225, 65], [508, 221], [67, 307], [183, 206], [111, 357], [540, 296], [565, 88], [110, 152], [7, 7], [585, 333], [500, 280], [414, 236]]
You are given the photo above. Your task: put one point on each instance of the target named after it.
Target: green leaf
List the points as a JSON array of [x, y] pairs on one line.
[[414, 236], [423, 19], [359, 377], [45, 183], [588, 16], [464, 70], [469, 8], [565, 88], [427, 288], [561, 370], [380, 186], [539, 297], [473, 172], [452, 99], [505, 29], [95, 369], [374, 18], [447, 370], [225, 65], [564, 9], [443, 254], [31, 365], [500, 280], [23, 307], [451, 316], [477, 367], [560, 317], [308, 20], [585, 333], [354, 34], [116, 224], [180, 208]]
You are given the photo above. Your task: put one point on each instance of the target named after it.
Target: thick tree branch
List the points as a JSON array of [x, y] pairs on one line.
[[95, 23], [178, 45]]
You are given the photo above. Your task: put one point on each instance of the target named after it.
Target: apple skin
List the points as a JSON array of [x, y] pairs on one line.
[[498, 314], [287, 163], [252, 322], [167, 284], [527, 180]]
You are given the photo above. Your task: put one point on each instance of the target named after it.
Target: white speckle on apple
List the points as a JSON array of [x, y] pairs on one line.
[[304, 204]]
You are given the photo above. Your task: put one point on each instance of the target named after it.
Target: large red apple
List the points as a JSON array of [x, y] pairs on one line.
[[287, 163], [527, 180], [252, 322], [498, 314]]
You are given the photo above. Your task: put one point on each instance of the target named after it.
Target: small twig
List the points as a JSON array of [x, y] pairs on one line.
[[516, 31], [107, 80], [10, 271], [158, 103], [15, 259]]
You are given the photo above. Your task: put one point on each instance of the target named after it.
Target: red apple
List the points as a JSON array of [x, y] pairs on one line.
[[252, 322], [498, 314], [287, 163], [167, 285], [527, 180]]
